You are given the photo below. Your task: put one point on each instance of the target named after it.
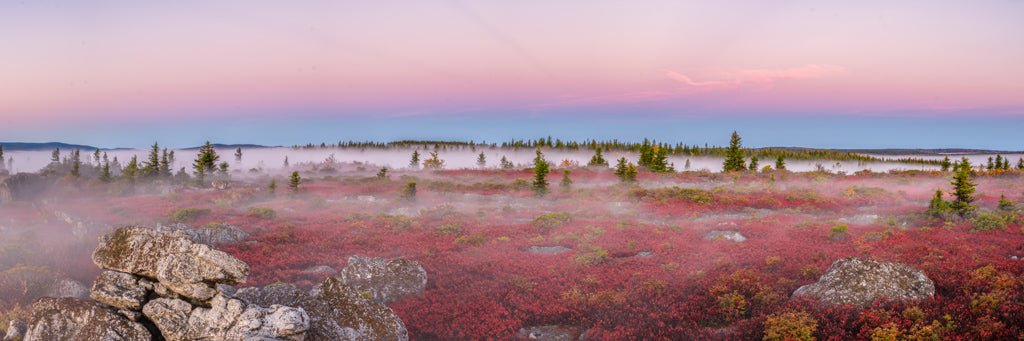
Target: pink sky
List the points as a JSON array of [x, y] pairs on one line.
[[100, 60]]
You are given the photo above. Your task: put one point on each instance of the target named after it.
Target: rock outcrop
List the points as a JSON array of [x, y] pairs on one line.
[[210, 234], [164, 286], [55, 319], [15, 331], [859, 281], [550, 333], [187, 268], [385, 279]]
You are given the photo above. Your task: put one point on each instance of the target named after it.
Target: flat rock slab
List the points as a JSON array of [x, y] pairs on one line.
[[385, 279], [548, 250], [730, 235], [80, 319], [550, 333]]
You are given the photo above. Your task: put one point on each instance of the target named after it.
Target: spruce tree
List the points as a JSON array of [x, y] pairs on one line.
[[734, 161], [999, 161], [630, 174], [505, 163], [963, 189], [481, 160], [566, 181], [95, 156], [540, 173], [938, 207], [1020, 164], [382, 173], [780, 163], [620, 168], [286, 161], [414, 161], [105, 171], [597, 159], [409, 192], [753, 163], [151, 167], [273, 186], [945, 164], [76, 163], [205, 162], [165, 164], [131, 170], [294, 181], [990, 165], [55, 156], [238, 154], [687, 165]]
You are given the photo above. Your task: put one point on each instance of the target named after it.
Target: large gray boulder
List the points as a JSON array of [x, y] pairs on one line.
[[226, 319], [857, 281], [212, 234], [336, 311], [120, 290], [385, 279], [72, 319], [187, 268], [15, 331]]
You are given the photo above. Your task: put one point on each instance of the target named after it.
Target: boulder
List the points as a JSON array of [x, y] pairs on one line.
[[55, 319], [386, 280], [15, 331], [857, 281], [550, 333], [336, 311], [548, 250], [184, 267], [120, 290], [66, 287], [212, 234], [226, 319], [730, 235]]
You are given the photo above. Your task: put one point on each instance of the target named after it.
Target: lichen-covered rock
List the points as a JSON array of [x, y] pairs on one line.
[[386, 280], [66, 287], [336, 311], [857, 281], [730, 235], [15, 331], [120, 290], [187, 268], [550, 333], [210, 234], [56, 319], [226, 319]]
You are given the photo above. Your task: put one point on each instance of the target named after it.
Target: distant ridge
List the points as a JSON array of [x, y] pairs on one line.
[[225, 146], [32, 146], [908, 151]]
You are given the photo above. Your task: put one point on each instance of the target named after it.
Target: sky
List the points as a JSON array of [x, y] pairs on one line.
[[841, 74]]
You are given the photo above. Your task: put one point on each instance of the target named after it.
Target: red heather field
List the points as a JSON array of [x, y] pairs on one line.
[[638, 266]]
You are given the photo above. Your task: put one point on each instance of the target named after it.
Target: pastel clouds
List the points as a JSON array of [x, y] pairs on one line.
[[759, 77]]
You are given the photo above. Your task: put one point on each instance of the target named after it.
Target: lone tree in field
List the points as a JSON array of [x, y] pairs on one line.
[[286, 165], [734, 155], [597, 159], [540, 173], [780, 163], [294, 181], [206, 161], [414, 161], [481, 160], [963, 189]]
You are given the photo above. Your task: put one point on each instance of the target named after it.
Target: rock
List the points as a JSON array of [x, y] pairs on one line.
[[548, 250], [212, 234], [550, 333], [15, 331], [644, 254], [186, 268], [858, 281], [226, 319], [336, 311], [386, 280], [322, 270], [55, 319], [66, 287], [120, 290], [725, 235]]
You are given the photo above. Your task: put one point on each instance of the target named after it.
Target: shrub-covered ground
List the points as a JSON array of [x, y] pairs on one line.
[[639, 267]]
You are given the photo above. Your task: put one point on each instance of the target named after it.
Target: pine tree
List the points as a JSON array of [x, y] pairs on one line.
[[505, 163], [409, 193], [273, 186], [753, 163], [206, 162], [151, 167], [76, 163], [95, 156], [382, 173], [481, 160], [1020, 164], [597, 159], [165, 164], [131, 170], [991, 165], [938, 207], [1005, 205], [659, 160], [414, 161], [294, 181], [566, 181], [105, 171], [55, 156], [620, 168], [780, 163], [687, 165], [999, 161], [734, 161], [286, 161], [945, 164], [223, 169], [238, 154], [963, 189], [540, 173], [630, 173]]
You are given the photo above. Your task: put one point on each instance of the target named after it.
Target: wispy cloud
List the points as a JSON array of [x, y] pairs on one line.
[[756, 77]]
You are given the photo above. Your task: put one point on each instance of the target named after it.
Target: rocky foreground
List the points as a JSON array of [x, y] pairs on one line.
[[161, 285]]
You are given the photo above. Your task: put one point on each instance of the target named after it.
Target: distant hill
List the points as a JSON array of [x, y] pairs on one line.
[[32, 146], [231, 146], [908, 151]]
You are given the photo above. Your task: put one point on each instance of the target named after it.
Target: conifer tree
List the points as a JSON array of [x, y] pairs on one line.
[[659, 160], [286, 161], [630, 174], [1005, 205], [597, 159], [273, 186], [753, 163], [95, 156], [55, 156], [76, 163], [945, 164], [414, 161], [165, 164], [540, 173], [963, 189], [151, 167], [938, 207], [382, 173], [223, 168], [990, 165], [409, 193], [238, 154], [687, 166], [999, 161], [1020, 164], [131, 170], [294, 181], [1, 156], [734, 161], [481, 160], [206, 162], [620, 167], [105, 171], [566, 181], [780, 163]]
